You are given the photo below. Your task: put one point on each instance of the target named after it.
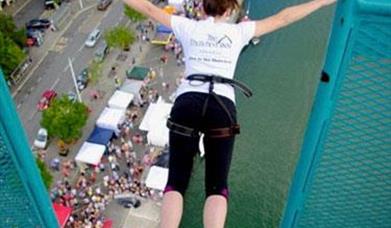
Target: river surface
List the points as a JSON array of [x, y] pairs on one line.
[[283, 71]]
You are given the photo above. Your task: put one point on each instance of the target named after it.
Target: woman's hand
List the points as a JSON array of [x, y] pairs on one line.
[[326, 2]]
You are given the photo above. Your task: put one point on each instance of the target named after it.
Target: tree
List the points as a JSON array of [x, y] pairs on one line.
[[45, 174], [9, 29], [133, 15], [95, 71], [10, 55], [119, 37], [65, 119], [11, 43]]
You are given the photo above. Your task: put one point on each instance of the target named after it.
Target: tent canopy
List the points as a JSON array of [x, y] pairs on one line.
[[162, 38], [90, 153], [163, 29], [100, 136], [120, 99], [132, 86], [157, 178], [62, 213], [110, 118], [137, 73], [154, 122]]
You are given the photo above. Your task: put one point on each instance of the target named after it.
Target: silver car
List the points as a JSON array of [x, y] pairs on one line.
[[93, 38]]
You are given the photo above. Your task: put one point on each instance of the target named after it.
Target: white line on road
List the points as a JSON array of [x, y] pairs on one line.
[[39, 79], [72, 59], [19, 105], [81, 48], [65, 68], [106, 13], [55, 83], [32, 116]]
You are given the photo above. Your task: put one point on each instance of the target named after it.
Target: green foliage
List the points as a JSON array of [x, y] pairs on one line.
[[95, 71], [119, 37], [133, 15], [10, 55], [65, 119], [45, 174], [19, 37], [11, 44], [8, 28]]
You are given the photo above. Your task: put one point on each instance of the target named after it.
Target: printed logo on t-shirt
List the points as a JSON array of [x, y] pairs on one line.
[[213, 42]]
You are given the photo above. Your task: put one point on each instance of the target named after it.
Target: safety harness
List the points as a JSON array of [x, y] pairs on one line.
[[214, 132]]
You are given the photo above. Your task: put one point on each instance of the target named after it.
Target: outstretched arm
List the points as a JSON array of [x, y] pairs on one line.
[[288, 16], [150, 10]]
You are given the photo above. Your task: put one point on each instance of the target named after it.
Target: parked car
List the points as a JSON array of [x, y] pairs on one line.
[[129, 202], [93, 38], [49, 4], [103, 4], [41, 140], [34, 38], [82, 79], [40, 24], [46, 99], [101, 52]]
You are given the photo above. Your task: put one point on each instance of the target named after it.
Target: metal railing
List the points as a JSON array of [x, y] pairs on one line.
[[343, 177]]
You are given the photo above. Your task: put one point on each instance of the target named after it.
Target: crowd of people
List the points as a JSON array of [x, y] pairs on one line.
[[89, 189]]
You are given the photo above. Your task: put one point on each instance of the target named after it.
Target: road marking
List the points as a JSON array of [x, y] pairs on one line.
[[20, 8], [82, 46], [65, 68], [19, 105], [32, 116], [55, 83], [39, 79], [106, 13]]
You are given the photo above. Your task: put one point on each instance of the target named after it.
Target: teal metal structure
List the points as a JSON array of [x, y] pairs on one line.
[[343, 176], [24, 201]]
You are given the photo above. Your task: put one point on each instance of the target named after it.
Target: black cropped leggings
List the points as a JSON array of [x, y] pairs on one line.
[[188, 111]]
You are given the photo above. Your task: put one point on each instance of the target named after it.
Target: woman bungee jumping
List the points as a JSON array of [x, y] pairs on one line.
[[205, 102]]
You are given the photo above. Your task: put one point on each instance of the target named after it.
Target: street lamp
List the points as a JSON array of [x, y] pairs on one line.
[[74, 79]]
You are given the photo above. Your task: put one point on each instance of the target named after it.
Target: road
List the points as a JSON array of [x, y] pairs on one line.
[[54, 73], [31, 10]]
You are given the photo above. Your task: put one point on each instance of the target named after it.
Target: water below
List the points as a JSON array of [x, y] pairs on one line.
[[283, 71]]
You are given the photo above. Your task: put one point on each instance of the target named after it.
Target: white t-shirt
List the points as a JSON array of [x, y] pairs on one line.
[[210, 48]]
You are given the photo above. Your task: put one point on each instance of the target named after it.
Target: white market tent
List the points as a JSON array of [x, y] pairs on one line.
[[133, 86], [110, 118], [157, 178], [154, 122], [90, 153], [120, 100]]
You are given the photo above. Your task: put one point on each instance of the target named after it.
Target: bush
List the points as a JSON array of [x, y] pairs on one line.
[[45, 174]]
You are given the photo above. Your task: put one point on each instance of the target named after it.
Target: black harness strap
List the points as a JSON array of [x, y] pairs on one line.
[[215, 132], [182, 130]]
